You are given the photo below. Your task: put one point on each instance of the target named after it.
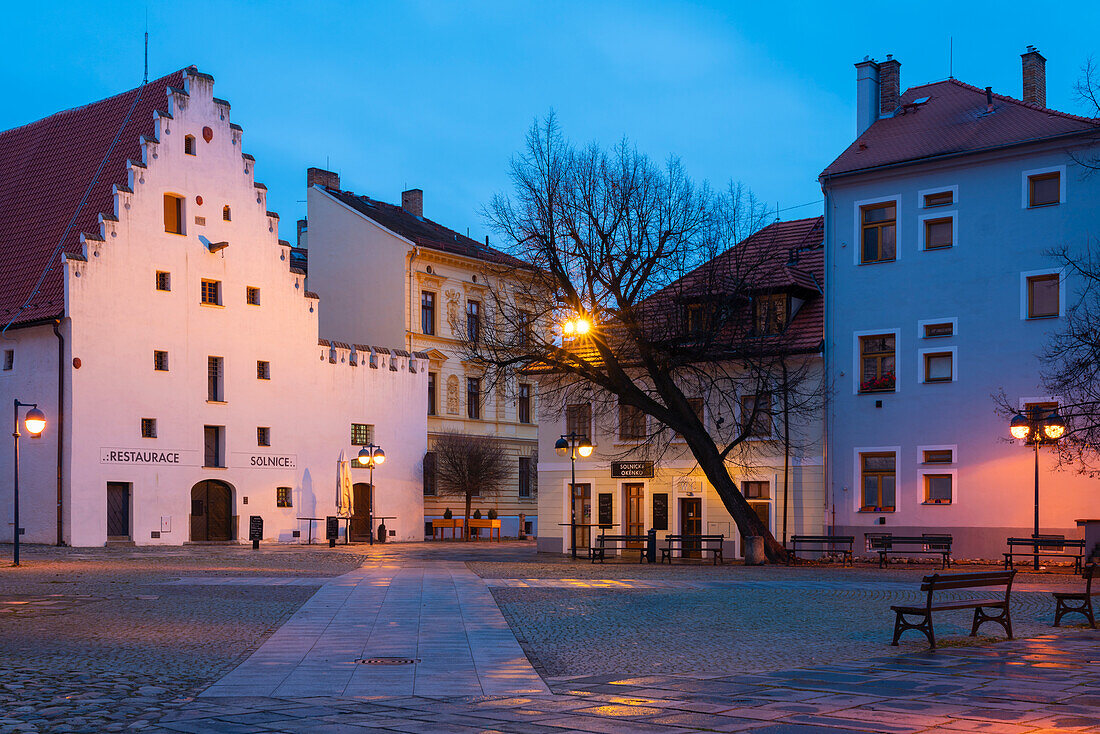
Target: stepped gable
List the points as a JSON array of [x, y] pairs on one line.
[[423, 232], [953, 121], [45, 168]]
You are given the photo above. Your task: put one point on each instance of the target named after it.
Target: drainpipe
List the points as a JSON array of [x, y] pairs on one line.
[[830, 245], [60, 426], [412, 301]]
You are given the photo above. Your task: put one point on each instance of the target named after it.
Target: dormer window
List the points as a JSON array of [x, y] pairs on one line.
[[769, 313], [189, 144], [694, 321]]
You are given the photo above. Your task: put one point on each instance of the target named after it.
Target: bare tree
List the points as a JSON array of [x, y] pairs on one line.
[[469, 466], [681, 314]]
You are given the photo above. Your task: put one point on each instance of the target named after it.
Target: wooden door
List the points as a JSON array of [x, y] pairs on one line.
[[211, 511], [361, 510], [582, 506], [633, 504], [691, 523], [118, 511]]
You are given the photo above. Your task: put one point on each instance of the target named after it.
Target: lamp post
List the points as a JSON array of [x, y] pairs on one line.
[[369, 456], [1042, 429], [34, 422], [573, 444]]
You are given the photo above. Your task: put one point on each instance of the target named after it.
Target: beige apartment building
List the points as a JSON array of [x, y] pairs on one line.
[[386, 272]]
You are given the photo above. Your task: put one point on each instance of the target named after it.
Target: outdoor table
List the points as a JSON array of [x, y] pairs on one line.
[[309, 534]]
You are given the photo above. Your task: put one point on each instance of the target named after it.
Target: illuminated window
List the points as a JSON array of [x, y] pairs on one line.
[[283, 497], [362, 434], [148, 427], [164, 281], [211, 292], [876, 363], [173, 214], [770, 313], [160, 361], [878, 224], [878, 476]]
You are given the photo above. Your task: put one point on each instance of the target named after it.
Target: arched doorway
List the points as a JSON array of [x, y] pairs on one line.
[[212, 511], [360, 517]]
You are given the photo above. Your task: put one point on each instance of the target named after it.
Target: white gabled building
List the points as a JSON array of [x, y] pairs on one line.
[[172, 345]]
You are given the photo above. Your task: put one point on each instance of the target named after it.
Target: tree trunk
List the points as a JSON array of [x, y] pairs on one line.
[[714, 467], [466, 520]]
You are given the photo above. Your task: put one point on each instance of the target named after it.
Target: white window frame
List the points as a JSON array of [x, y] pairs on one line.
[[937, 350], [942, 468], [858, 235], [856, 363], [954, 189], [953, 320], [1025, 189], [1024, 275], [857, 480], [938, 214]]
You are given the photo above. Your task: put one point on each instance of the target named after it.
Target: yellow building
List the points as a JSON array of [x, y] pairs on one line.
[[388, 275]]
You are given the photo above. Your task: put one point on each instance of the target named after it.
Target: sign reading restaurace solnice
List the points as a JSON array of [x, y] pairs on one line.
[[148, 457]]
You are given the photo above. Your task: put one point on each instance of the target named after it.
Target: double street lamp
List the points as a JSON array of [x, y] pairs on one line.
[[35, 422], [573, 444], [370, 456], [1040, 428]]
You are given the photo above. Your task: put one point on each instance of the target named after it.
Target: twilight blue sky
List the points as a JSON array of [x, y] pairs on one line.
[[438, 95]]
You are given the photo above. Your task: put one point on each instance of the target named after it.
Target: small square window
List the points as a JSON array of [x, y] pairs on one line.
[[940, 198], [1042, 296], [252, 296], [263, 370], [148, 427], [937, 489], [938, 367], [160, 361], [938, 456], [1044, 189], [9, 359], [938, 233], [164, 281], [283, 497], [934, 331], [362, 434], [212, 292], [263, 436]]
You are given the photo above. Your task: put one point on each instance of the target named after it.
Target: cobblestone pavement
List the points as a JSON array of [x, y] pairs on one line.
[[101, 639]]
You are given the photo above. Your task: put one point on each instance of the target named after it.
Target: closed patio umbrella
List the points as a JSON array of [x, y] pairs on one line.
[[344, 501]]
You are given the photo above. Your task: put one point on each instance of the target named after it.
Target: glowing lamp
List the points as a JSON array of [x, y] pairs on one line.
[[561, 446], [584, 448], [567, 328], [364, 456], [1020, 427], [1054, 427], [379, 456], [582, 327], [35, 421]]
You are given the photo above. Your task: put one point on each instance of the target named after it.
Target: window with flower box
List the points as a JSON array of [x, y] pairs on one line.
[[876, 363]]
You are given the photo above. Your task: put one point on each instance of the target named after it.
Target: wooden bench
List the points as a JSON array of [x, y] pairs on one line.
[[1077, 602], [826, 543], [599, 551], [927, 544], [957, 581], [701, 543], [1047, 546]]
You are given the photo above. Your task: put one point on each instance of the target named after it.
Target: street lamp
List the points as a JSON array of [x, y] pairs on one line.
[[573, 444], [1041, 430], [578, 326], [370, 456], [35, 423]]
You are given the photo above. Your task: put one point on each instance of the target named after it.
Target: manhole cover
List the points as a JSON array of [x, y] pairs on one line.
[[387, 661]]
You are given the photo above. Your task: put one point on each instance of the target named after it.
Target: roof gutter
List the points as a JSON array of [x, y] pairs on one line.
[[60, 428], [945, 156]]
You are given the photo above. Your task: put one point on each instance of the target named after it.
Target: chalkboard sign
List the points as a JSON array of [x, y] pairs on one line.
[[604, 509], [255, 527], [332, 527], [660, 511]]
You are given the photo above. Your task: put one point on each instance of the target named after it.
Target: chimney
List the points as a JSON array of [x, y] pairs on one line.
[[988, 100], [866, 94], [320, 176], [412, 201], [1035, 77], [889, 74]]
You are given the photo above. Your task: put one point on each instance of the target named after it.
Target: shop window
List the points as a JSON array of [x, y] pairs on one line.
[[283, 497], [160, 361], [173, 214], [148, 427], [164, 281]]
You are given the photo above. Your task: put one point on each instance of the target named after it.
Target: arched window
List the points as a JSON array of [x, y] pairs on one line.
[[189, 144], [173, 214], [226, 215]]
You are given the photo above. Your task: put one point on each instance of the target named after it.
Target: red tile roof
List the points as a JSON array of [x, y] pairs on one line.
[[424, 232], [45, 168], [953, 121]]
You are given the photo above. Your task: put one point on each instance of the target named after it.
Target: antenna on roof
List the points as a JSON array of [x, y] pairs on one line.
[[145, 78], [951, 57]]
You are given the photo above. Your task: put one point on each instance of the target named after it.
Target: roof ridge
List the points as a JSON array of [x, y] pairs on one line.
[[85, 106], [1007, 98]]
